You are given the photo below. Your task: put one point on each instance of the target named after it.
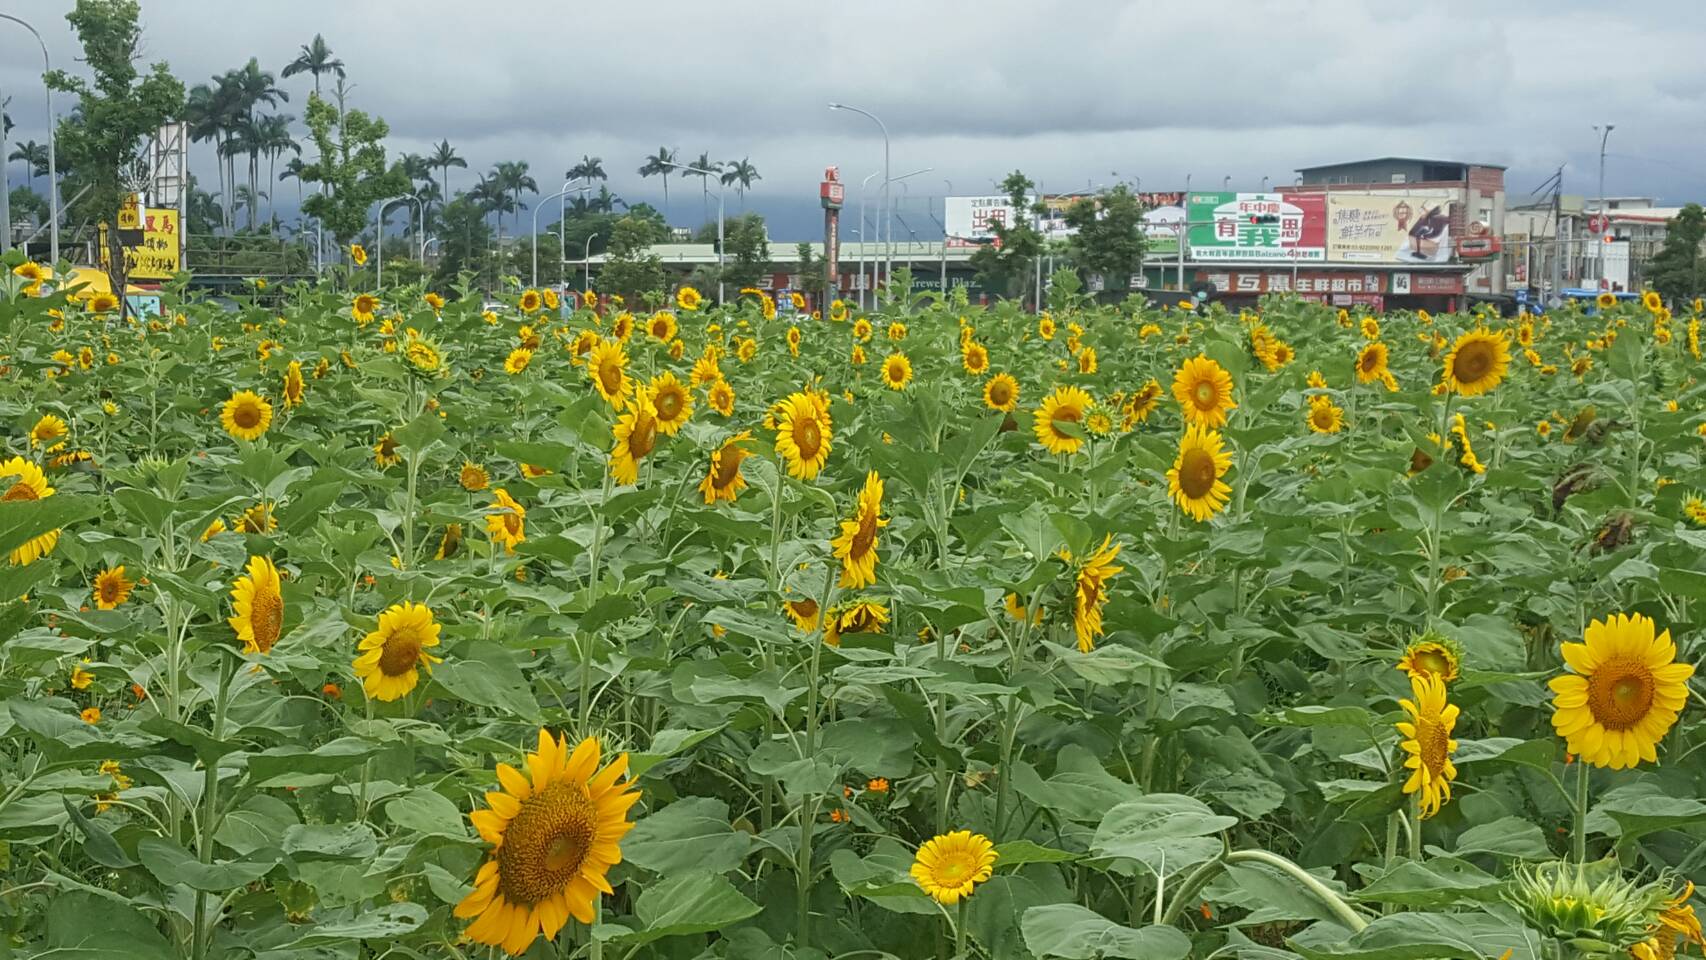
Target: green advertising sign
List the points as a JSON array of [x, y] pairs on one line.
[[1257, 226]]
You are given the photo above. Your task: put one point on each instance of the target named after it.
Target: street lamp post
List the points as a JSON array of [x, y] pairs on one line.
[[586, 260], [52, 161], [888, 276], [1604, 135], [1226, 183], [561, 254], [888, 246], [864, 251], [563, 220], [701, 171], [379, 235], [943, 224]]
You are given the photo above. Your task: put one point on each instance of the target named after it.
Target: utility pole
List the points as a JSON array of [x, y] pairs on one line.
[[1557, 239], [1599, 256]]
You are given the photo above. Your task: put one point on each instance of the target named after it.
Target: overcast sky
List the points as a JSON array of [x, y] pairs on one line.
[[1075, 94]]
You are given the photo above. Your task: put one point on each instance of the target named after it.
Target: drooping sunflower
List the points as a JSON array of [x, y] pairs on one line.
[[246, 416], [793, 341], [803, 613], [723, 481], [688, 299], [1066, 405], [1001, 392], [1087, 360], [433, 300], [897, 370], [363, 308], [856, 546], [1477, 362], [950, 866], [636, 435], [1432, 655], [608, 370], [1203, 389], [111, 588], [259, 518], [1194, 482], [391, 657], [423, 355], [661, 327], [450, 543], [1624, 694], [706, 369], [803, 433], [1324, 416], [552, 301], [721, 398], [1090, 592], [294, 388], [1143, 402], [1371, 361], [506, 520], [856, 616], [858, 357], [974, 357], [257, 606], [1428, 743], [385, 452], [530, 301], [555, 833], [473, 477], [671, 403], [746, 349], [534, 472]]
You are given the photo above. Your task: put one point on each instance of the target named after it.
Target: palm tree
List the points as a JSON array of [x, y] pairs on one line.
[[592, 168], [212, 113], [703, 163], [660, 164], [34, 157], [607, 202], [275, 141], [512, 178], [741, 174], [443, 158], [251, 87], [293, 171], [316, 58], [415, 167], [248, 200]]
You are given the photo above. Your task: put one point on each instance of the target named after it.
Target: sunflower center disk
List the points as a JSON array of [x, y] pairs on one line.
[[669, 405], [546, 843], [401, 653], [866, 533], [1473, 362], [20, 491], [808, 438], [266, 618], [1196, 474], [1205, 394], [1431, 736], [246, 417], [610, 375], [1620, 693], [644, 437]]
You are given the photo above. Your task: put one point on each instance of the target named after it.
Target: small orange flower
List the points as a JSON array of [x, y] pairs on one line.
[[838, 816], [878, 785], [332, 691], [91, 715]]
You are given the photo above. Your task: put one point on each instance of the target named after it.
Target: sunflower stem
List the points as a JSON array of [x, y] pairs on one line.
[[960, 928], [1580, 838], [203, 932]]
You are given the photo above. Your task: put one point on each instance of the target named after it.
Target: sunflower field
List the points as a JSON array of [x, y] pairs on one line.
[[349, 623]]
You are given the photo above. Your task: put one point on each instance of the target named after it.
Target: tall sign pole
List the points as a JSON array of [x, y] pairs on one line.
[[831, 193]]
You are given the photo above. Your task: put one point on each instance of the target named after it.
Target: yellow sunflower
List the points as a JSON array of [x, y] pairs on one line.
[[1143, 402], [390, 658], [1090, 592], [623, 326], [257, 519], [1001, 392], [897, 371], [246, 416], [1371, 362], [257, 606], [661, 327], [803, 613], [48, 432], [1477, 362], [506, 520], [974, 357], [858, 358], [1045, 327], [1624, 694], [1203, 389], [803, 433], [103, 302], [1370, 328], [1087, 360], [838, 311], [608, 370], [856, 546], [724, 481], [554, 838], [1195, 481], [1067, 405], [746, 349], [897, 331], [688, 299], [1652, 301], [793, 341], [517, 360], [721, 398], [423, 355], [550, 298], [950, 866], [861, 329], [473, 477], [858, 616], [1428, 743], [636, 436], [358, 253], [385, 452], [363, 308], [530, 301], [1431, 655], [1324, 416], [111, 588], [1605, 301], [294, 388], [671, 403], [434, 301], [706, 369], [451, 543]]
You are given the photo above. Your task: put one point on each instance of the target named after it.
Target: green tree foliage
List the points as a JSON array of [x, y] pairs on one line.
[[632, 270], [1676, 273], [746, 250], [812, 277], [28, 205], [1109, 239], [350, 161], [118, 108], [1006, 266], [465, 242]]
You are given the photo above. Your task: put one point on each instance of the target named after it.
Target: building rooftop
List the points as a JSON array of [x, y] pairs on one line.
[[1422, 160]]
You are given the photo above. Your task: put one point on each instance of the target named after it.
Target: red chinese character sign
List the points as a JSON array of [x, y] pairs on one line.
[[831, 193]]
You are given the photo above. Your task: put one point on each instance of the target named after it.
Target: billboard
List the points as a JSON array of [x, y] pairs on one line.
[[156, 255], [1390, 226], [969, 218], [1257, 226], [1161, 228]]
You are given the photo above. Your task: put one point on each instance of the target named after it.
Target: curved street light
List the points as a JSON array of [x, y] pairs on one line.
[[568, 187], [888, 248], [52, 161], [710, 173], [379, 233]]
